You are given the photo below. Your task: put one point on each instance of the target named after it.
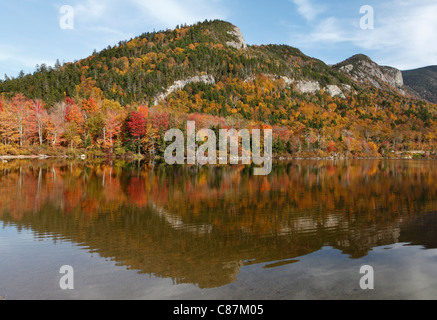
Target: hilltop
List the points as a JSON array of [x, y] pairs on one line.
[[365, 71]]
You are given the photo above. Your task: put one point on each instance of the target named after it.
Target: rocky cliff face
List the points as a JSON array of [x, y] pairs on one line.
[[239, 42], [362, 69], [180, 84], [392, 76]]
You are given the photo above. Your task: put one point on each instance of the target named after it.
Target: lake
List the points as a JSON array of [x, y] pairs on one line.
[[135, 230]]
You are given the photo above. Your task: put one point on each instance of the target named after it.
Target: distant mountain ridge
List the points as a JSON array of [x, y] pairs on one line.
[[422, 82]]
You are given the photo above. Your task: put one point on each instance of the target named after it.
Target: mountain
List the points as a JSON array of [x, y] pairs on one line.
[[154, 65], [145, 67], [362, 69], [422, 82], [124, 98]]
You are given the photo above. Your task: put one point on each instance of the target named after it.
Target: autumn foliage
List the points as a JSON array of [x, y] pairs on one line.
[[105, 104]]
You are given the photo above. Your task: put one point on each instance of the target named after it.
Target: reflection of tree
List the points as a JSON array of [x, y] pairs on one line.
[[200, 225]]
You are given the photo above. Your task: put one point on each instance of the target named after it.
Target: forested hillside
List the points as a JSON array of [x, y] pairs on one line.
[[422, 82], [123, 99]]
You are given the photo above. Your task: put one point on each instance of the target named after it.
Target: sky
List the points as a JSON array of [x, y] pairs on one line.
[[396, 33]]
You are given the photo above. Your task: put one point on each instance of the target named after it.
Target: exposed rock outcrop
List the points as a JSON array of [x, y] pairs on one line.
[[335, 91], [314, 86], [393, 76], [180, 84], [288, 81], [308, 86], [303, 86], [239, 43]]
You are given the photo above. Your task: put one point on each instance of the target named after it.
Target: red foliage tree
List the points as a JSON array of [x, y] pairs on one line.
[[137, 126], [160, 121], [69, 101]]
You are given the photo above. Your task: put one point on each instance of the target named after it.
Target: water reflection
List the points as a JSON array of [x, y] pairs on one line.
[[202, 225]]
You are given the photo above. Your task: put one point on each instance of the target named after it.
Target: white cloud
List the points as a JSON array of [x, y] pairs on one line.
[[6, 52], [16, 56], [410, 35], [13, 60], [307, 9], [91, 9], [404, 34], [168, 13]]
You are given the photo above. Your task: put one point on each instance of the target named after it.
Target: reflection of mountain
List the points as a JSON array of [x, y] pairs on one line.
[[421, 231], [201, 227]]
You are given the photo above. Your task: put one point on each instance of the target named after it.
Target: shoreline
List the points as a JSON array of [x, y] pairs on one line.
[[275, 158], [31, 157]]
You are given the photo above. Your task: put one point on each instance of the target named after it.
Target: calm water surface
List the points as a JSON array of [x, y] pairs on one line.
[[137, 231]]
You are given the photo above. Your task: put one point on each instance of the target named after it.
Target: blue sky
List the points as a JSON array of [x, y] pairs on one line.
[[404, 33]]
